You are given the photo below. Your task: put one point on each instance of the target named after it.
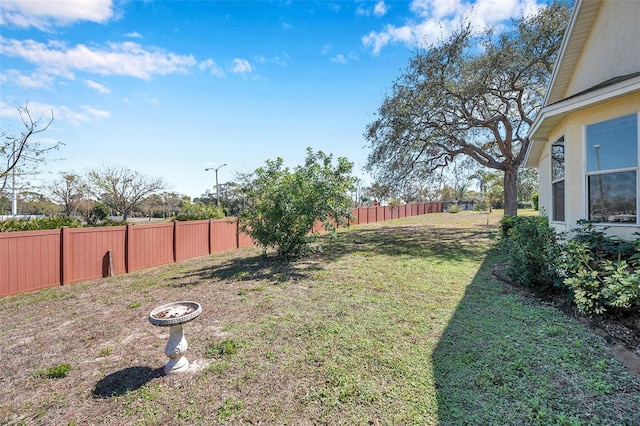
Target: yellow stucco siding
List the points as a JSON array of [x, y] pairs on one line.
[[572, 127], [606, 53]]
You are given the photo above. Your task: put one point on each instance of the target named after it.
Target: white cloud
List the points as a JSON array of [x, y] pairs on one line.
[[134, 34], [93, 112], [35, 80], [61, 113], [209, 64], [125, 59], [100, 88], [436, 19], [281, 59], [339, 58], [342, 59], [46, 14], [241, 66], [326, 49], [380, 9]]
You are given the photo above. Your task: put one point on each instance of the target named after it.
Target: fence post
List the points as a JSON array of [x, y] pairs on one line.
[[65, 256], [237, 232], [210, 236], [128, 253], [175, 240]]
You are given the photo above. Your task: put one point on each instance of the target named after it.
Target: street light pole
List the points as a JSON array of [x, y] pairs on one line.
[[217, 186]]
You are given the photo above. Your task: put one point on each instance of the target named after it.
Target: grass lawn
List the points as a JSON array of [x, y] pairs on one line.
[[398, 322]]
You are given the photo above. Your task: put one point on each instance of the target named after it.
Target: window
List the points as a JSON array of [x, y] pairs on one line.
[[612, 170], [557, 180]]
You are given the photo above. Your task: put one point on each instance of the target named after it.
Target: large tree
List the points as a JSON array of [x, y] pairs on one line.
[[122, 189], [473, 94]]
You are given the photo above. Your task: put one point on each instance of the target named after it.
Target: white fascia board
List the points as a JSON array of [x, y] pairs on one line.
[[562, 108], [563, 50], [583, 101]]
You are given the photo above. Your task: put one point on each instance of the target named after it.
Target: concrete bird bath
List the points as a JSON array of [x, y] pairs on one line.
[[175, 315]]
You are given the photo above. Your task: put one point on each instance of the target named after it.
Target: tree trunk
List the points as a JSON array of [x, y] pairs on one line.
[[510, 191]]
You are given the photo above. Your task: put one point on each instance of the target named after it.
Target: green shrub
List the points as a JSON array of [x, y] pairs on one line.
[[284, 205], [601, 272], [603, 246], [454, 208], [37, 224], [197, 211], [506, 223], [531, 244], [535, 198], [481, 207]]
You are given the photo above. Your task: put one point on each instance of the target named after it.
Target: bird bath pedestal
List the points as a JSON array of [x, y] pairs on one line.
[[175, 315]]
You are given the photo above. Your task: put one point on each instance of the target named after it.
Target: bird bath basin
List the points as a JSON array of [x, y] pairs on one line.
[[175, 315]]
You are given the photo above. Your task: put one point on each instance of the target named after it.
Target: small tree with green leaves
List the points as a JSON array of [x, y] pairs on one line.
[[199, 211], [283, 205]]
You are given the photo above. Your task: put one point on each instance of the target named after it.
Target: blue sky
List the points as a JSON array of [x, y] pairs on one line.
[[169, 88]]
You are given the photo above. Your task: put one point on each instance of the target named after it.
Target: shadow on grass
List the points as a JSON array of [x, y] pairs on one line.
[[417, 241], [443, 244], [256, 268], [506, 358], [126, 380]]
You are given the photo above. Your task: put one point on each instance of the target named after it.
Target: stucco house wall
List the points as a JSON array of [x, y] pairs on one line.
[[596, 78], [572, 127], [608, 53]]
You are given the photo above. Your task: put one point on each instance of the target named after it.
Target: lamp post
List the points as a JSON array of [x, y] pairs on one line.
[[217, 186]]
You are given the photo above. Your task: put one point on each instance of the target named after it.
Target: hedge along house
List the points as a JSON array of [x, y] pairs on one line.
[[585, 138]]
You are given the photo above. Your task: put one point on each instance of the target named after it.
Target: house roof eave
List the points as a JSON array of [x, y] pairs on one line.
[[552, 114], [578, 28]]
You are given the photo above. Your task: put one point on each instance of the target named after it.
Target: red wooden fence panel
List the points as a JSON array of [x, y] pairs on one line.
[[149, 245], [371, 215], [191, 239], [223, 235], [362, 215], [86, 254], [29, 261], [33, 260], [244, 240]]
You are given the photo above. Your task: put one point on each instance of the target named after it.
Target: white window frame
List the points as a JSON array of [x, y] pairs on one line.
[[558, 180], [587, 173]]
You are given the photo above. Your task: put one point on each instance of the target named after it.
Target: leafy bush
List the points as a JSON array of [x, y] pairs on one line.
[[603, 246], [37, 224], [283, 205], [602, 273], [531, 244], [481, 207], [454, 208], [98, 214], [198, 211], [535, 199]]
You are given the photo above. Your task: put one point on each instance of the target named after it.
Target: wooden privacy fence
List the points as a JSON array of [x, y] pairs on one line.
[[33, 260]]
